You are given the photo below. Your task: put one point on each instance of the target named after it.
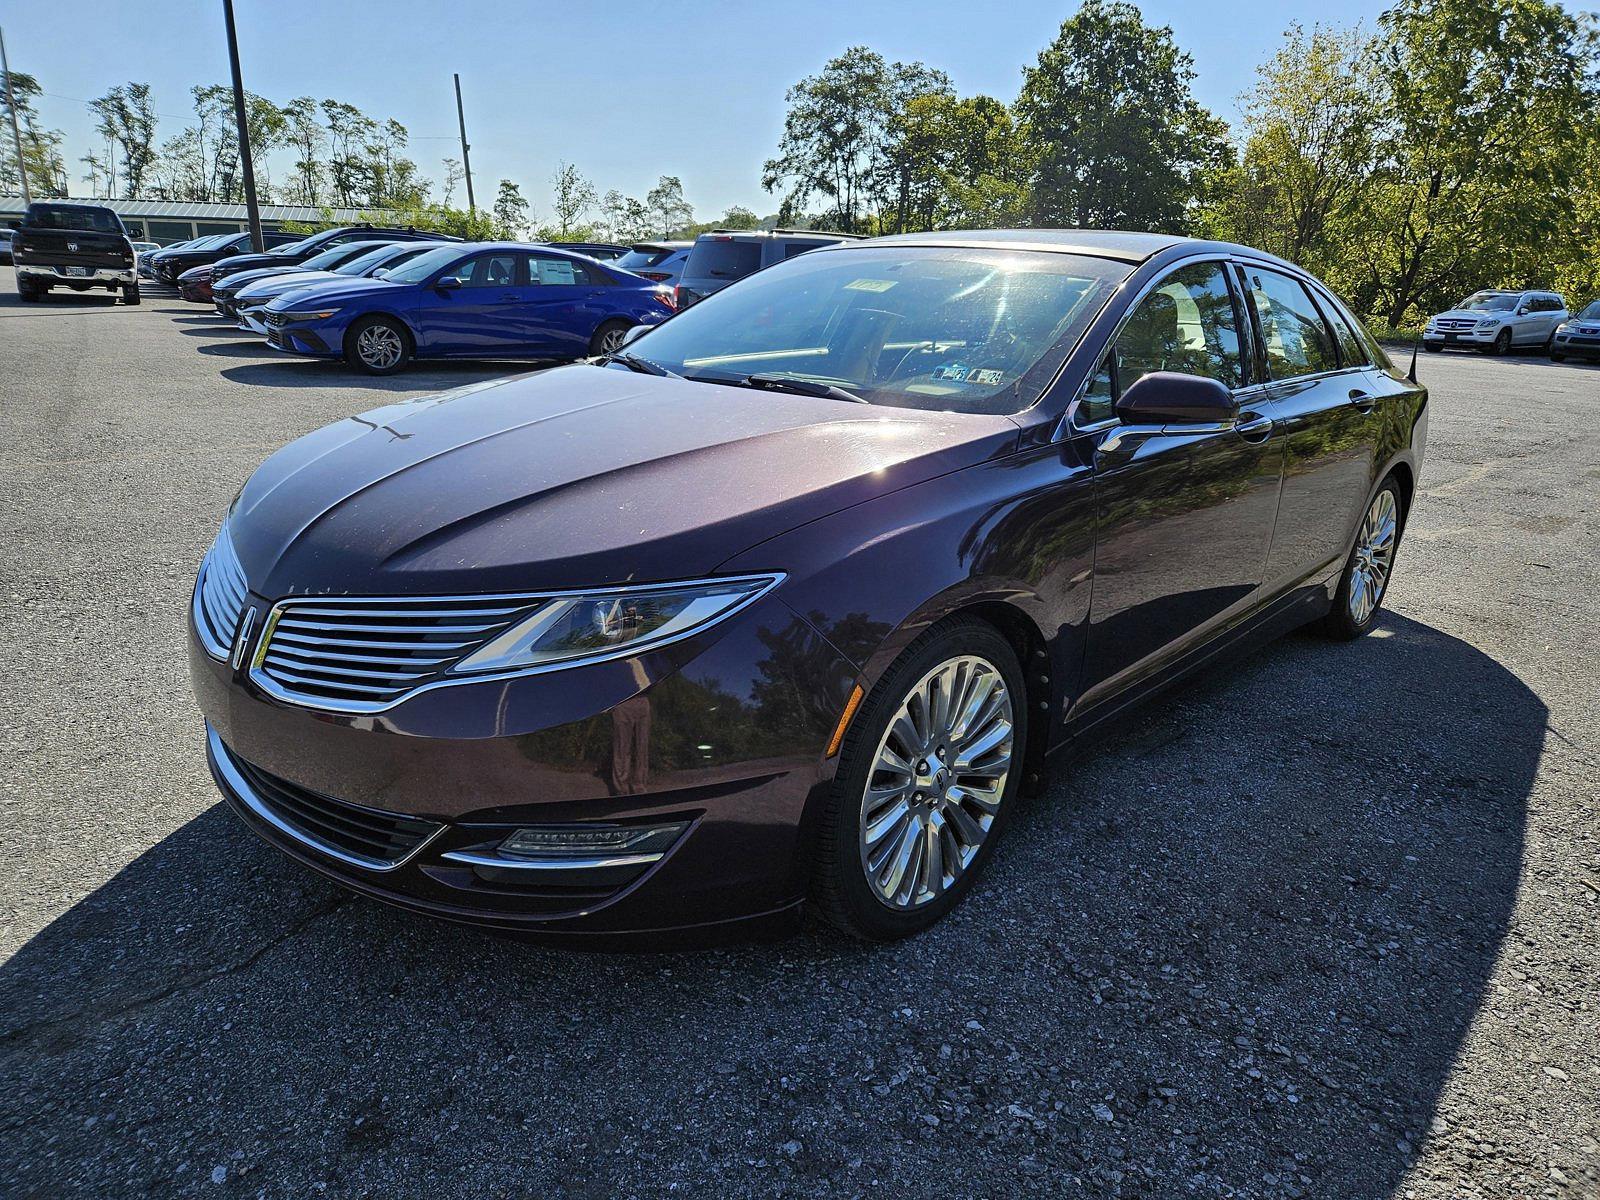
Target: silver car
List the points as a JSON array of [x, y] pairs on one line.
[[1497, 321], [1579, 336]]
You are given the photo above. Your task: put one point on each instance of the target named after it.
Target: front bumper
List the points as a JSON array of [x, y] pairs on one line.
[[708, 737], [1472, 338], [92, 276], [1586, 344], [311, 339]]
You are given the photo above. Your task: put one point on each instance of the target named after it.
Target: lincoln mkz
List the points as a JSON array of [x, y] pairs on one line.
[[789, 600]]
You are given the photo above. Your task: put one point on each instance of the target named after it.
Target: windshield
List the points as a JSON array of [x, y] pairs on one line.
[[361, 264], [963, 330], [286, 248], [1591, 312], [424, 265], [722, 258], [644, 257], [1489, 302], [334, 255], [93, 220]]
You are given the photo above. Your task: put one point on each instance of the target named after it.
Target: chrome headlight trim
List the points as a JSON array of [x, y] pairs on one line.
[[765, 581]]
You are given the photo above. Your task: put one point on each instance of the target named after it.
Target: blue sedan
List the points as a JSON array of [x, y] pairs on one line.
[[489, 300]]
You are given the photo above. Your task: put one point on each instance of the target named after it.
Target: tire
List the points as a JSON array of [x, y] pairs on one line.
[[1368, 566], [1502, 344], [377, 345], [130, 293], [1431, 348], [1554, 357], [28, 292], [608, 338], [960, 657]]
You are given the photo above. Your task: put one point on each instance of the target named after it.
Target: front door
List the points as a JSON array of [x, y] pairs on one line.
[[1183, 516], [479, 317]]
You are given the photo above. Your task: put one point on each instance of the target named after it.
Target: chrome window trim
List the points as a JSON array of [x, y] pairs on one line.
[[269, 686], [223, 757]]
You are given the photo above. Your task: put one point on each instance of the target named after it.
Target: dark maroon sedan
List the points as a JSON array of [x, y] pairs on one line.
[[788, 599]]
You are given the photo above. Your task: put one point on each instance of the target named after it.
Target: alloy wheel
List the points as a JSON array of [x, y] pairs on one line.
[[611, 340], [1374, 556], [936, 782], [380, 347]]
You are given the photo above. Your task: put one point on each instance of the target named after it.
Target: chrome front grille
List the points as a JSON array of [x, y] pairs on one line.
[[219, 596], [356, 655], [1456, 324]]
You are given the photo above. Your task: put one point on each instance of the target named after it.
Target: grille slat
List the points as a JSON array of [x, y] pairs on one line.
[[219, 596], [364, 835], [362, 654]]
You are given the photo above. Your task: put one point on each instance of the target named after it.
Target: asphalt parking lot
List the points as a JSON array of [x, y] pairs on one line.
[[1322, 923]]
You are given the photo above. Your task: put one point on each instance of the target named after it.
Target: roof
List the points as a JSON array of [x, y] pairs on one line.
[[1104, 243], [186, 210]]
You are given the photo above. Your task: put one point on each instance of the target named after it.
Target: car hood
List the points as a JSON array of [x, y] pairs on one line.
[[349, 290], [579, 476], [242, 279], [1472, 314], [276, 283], [249, 262]]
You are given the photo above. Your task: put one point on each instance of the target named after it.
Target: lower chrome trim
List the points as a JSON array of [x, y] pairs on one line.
[[222, 757], [471, 859]]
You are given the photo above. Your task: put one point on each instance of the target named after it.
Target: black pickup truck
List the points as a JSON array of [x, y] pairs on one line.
[[79, 246]]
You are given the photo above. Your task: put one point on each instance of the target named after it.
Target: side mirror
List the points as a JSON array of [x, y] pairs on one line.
[[381, 273], [448, 283], [1167, 397], [1524, 310], [634, 334]]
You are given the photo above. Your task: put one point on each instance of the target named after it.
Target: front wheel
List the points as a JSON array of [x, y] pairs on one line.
[[1367, 570], [1554, 357], [377, 345], [608, 338], [1502, 343], [927, 778], [29, 292]]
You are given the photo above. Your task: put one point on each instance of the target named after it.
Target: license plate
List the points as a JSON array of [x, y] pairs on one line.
[[1450, 337], [77, 270]]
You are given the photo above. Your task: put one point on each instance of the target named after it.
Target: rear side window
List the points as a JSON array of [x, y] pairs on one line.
[[1292, 333], [713, 258], [1351, 350], [794, 248], [550, 270]]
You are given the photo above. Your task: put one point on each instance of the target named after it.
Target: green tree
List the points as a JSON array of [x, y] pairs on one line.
[[1488, 106], [303, 132], [126, 117], [511, 210], [738, 217], [1308, 151], [42, 158], [668, 210], [1121, 140], [574, 198]]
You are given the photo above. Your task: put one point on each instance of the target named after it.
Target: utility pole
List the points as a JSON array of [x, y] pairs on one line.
[[16, 136], [466, 160], [251, 207]]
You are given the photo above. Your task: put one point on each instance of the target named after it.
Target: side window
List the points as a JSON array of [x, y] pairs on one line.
[[1351, 352], [1294, 337], [1186, 324], [550, 270], [489, 270], [794, 248], [1099, 398]]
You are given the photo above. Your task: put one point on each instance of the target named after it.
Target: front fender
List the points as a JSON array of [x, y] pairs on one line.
[[1017, 532]]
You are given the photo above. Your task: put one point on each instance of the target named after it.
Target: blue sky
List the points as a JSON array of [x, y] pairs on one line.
[[627, 91]]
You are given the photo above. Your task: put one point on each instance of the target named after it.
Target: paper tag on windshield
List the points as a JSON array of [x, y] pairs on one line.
[[870, 285]]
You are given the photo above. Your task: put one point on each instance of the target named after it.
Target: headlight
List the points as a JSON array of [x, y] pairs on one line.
[[1489, 324], [321, 315], [615, 622]]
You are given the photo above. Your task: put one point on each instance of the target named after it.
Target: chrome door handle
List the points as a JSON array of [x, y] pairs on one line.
[[1257, 425], [1362, 400]]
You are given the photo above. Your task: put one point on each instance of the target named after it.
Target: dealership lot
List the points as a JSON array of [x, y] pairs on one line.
[[1320, 924]]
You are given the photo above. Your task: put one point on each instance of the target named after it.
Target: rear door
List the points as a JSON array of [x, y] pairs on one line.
[[1184, 515], [561, 303], [1323, 398]]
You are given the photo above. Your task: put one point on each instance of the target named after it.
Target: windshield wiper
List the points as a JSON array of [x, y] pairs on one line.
[[801, 387], [634, 363]]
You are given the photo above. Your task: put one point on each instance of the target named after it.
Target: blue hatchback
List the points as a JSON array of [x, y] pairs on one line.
[[486, 300]]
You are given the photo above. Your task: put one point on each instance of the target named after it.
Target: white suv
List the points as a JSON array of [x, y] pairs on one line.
[[1495, 321]]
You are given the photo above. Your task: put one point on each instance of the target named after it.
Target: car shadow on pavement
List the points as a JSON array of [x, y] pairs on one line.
[[286, 371], [1233, 951]]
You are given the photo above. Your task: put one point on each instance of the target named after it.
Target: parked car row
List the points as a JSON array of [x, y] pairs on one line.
[[1496, 321]]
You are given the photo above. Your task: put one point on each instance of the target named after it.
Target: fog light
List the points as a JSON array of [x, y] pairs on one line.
[[587, 841]]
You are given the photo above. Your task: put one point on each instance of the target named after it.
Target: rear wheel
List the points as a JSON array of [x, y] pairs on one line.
[[377, 345], [608, 338], [927, 778], [1367, 570], [130, 293]]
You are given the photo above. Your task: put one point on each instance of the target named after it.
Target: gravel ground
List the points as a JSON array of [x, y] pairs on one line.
[[1321, 923]]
